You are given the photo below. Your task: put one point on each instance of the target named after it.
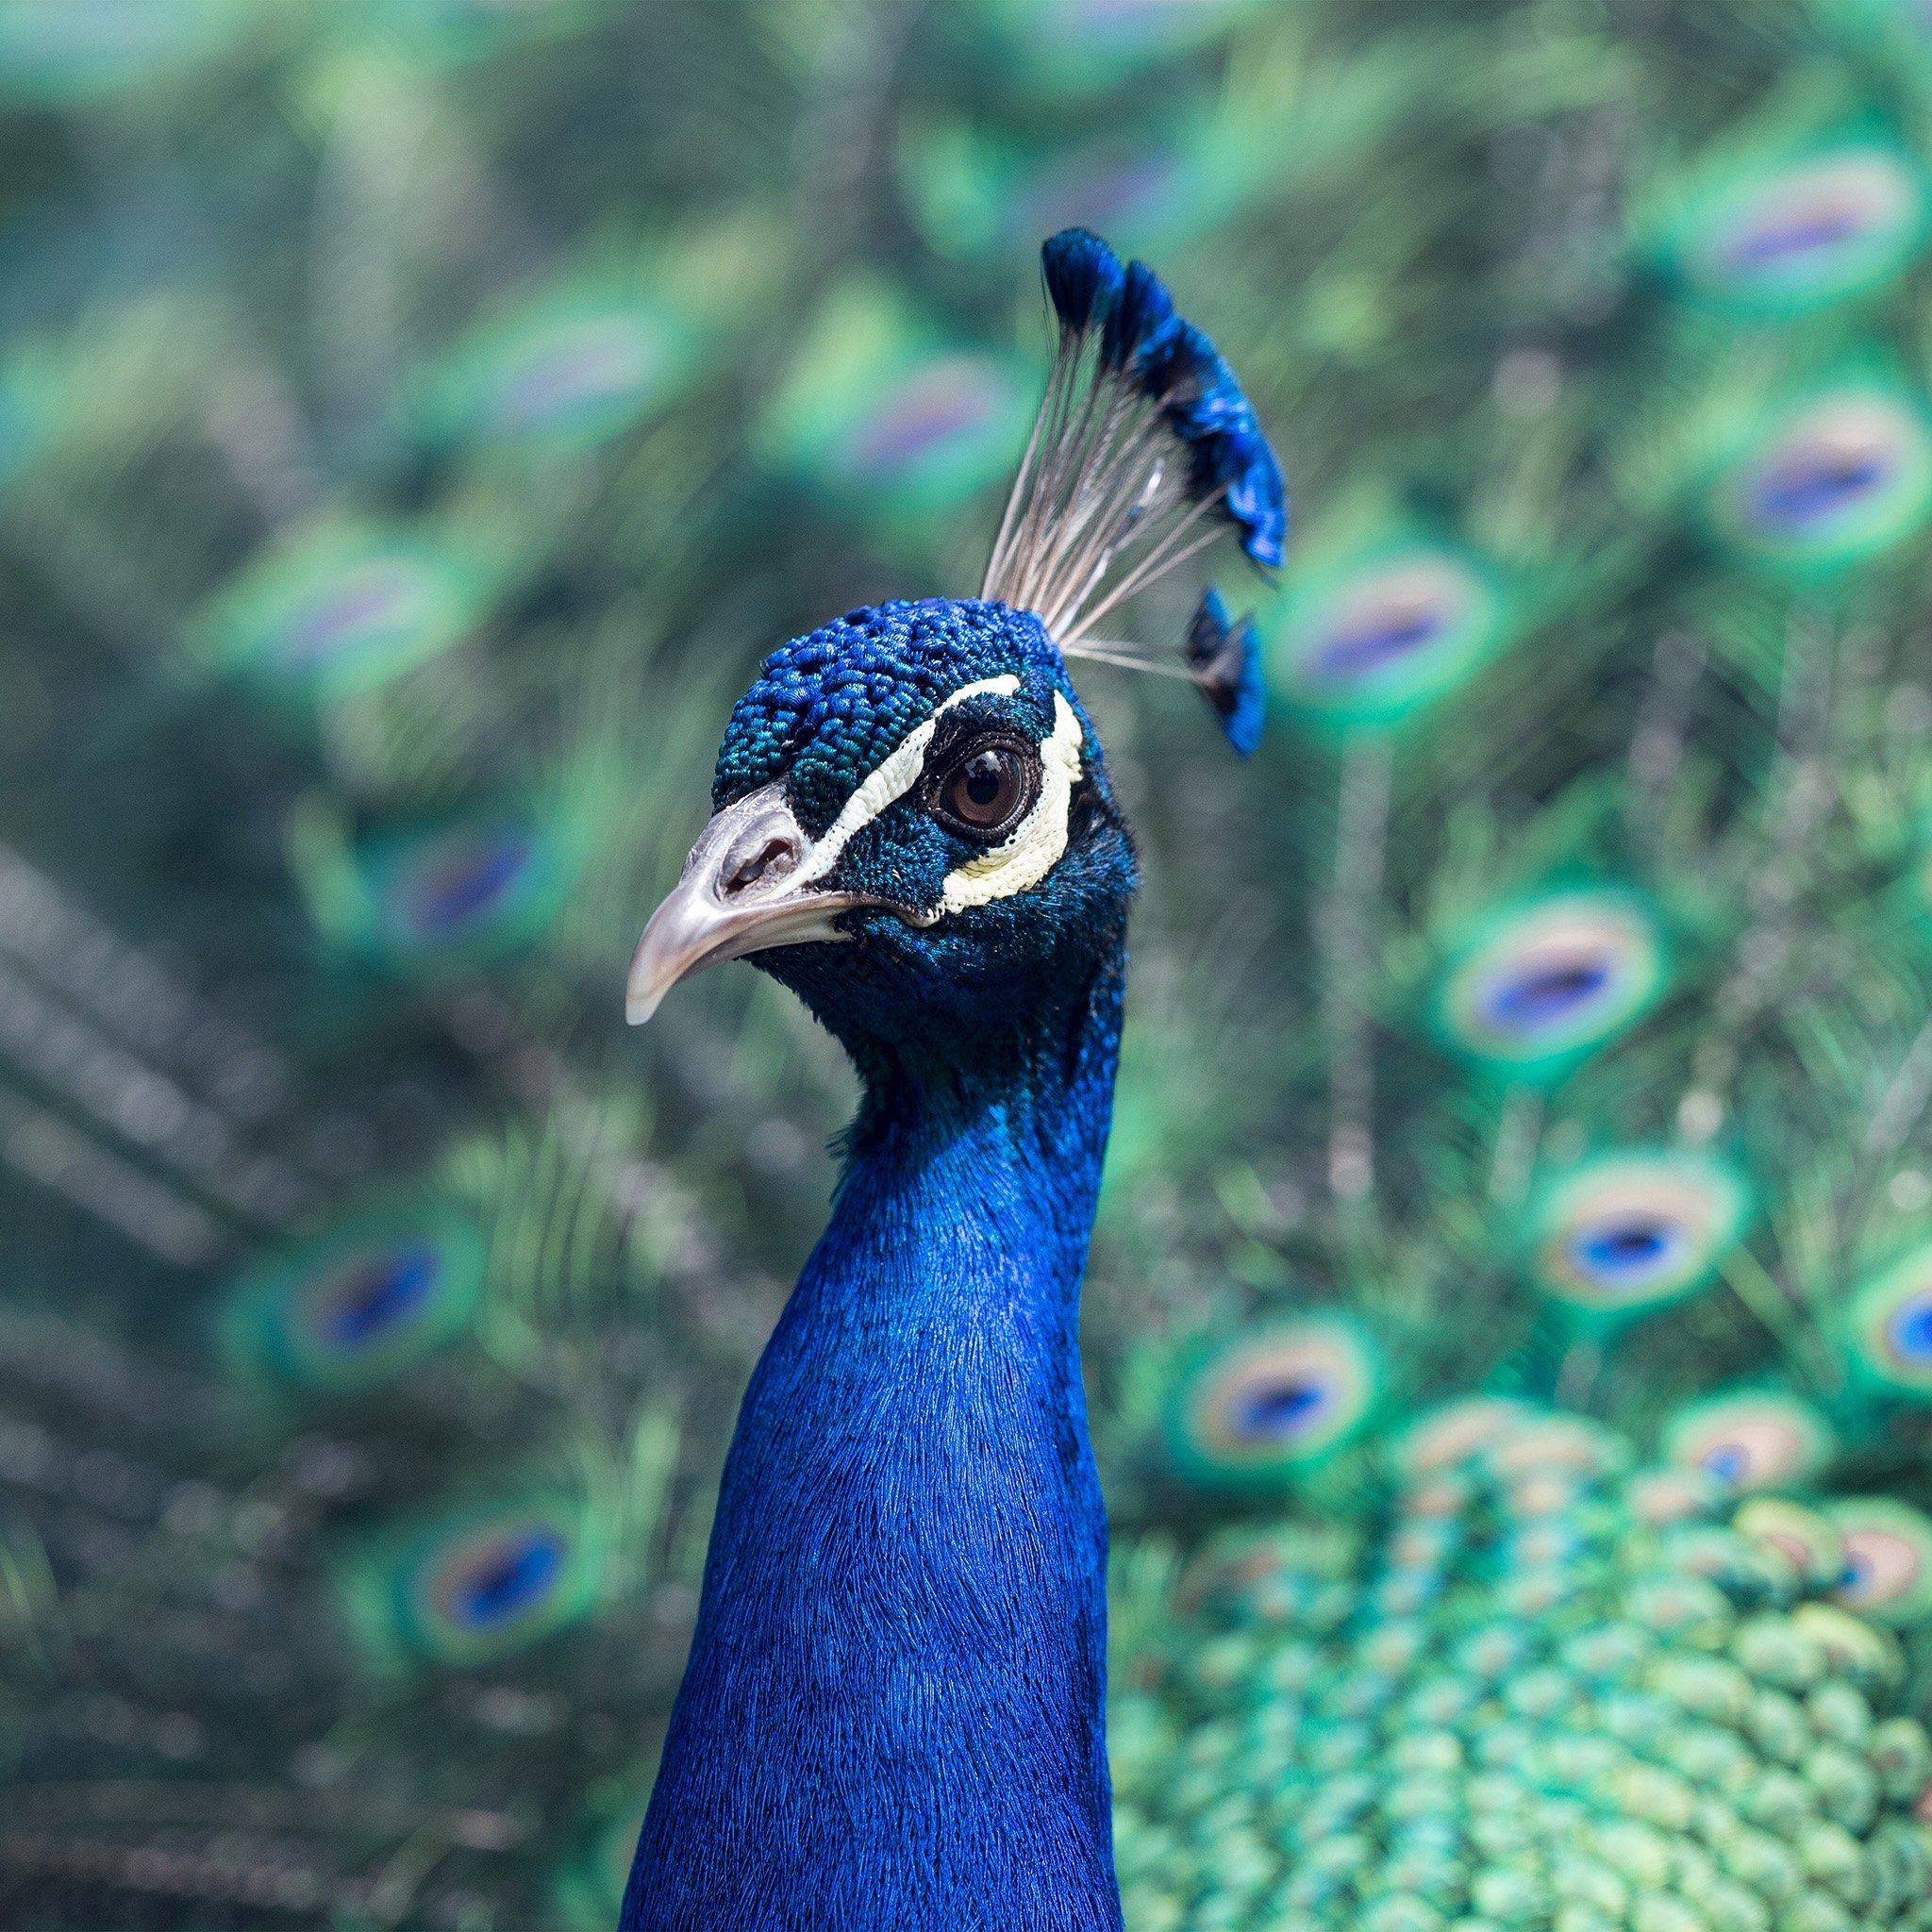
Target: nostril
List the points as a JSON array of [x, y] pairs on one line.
[[765, 861]]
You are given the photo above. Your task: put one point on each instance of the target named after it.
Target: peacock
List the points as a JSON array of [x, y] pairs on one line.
[[1503, 1344], [892, 1710], [1535, 1679]]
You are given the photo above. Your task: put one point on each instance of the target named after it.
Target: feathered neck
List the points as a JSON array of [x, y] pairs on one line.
[[892, 1713]]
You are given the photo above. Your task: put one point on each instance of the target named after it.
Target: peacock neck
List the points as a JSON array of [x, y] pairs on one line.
[[893, 1709]]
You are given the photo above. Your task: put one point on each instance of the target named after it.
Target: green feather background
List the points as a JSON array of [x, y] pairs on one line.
[[1510, 1326]]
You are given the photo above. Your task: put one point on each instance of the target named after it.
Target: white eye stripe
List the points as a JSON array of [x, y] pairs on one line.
[[1034, 846], [890, 780]]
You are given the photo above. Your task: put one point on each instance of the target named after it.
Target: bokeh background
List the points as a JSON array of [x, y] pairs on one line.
[[416, 419]]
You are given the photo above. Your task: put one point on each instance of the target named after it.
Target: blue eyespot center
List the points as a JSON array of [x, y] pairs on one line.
[[334, 622], [508, 1577], [380, 1293], [924, 414], [1635, 1249], [1812, 485], [1911, 1328], [1364, 647], [465, 884], [1728, 1462], [573, 372], [1789, 236], [1545, 995], [1280, 1408]]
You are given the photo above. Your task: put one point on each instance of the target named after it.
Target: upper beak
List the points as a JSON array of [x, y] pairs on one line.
[[749, 885]]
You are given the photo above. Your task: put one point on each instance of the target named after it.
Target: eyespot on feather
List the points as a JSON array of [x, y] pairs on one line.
[[1383, 633], [495, 1578], [1273, 1401], [1889, 1327], [1549, 980], [889, 414], [561, 370], [1888, 1574], [360, 1304], [1628, 1232], [1829, 478], [1751, 1439], [336, 609], [470, 888], [1802, 231]]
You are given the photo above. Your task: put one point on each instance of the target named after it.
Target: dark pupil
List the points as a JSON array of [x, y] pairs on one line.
[[983, 792]]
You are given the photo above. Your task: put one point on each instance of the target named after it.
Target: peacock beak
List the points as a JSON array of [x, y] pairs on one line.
[[751, 883]]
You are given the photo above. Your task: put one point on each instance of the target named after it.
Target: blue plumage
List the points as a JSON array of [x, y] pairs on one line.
[[1083, 277], [1225, 658], [893, 1712], [1139, 325], [1144, 434], [1209, 411], [824, 708], [907, 1572], [1256, 499]]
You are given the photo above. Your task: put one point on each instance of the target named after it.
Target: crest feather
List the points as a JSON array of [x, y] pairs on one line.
[[1145, 450]]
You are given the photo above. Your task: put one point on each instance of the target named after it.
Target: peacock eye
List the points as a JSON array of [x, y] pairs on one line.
[[987, 790]]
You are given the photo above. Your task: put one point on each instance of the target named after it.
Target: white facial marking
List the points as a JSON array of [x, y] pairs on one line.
[[894, 776], [1034, 846]]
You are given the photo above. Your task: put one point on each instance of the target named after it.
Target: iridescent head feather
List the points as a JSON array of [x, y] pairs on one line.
[[1146, 449], [920, 777]]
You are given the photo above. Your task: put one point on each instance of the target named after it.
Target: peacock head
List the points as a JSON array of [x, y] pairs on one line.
[[914, 829], [913, 826]]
